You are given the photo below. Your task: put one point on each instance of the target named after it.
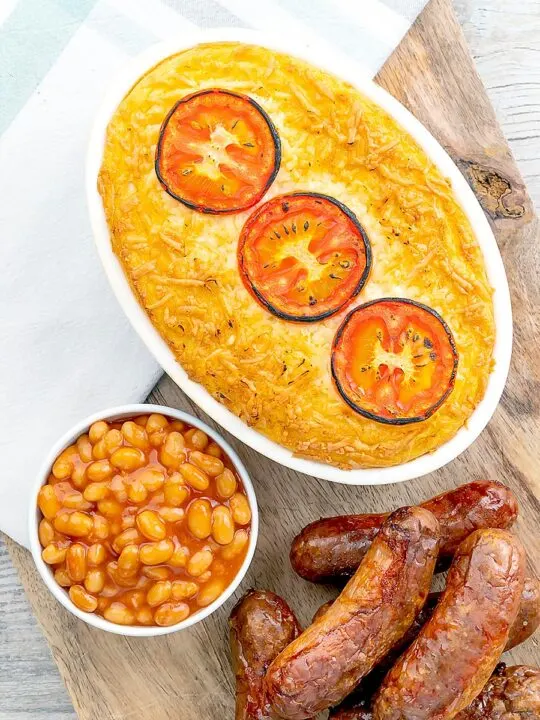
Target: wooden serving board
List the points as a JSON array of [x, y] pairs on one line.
[[187, 675]]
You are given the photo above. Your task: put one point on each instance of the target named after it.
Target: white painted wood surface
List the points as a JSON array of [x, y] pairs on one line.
[[504, 36]]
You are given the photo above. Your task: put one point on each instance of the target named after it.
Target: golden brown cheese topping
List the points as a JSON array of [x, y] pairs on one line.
[[182, 263]]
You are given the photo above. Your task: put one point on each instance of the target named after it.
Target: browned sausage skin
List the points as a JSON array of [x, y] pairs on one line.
[[512, 693], [332, 548], [458, 648], [528, 617], [375, 608], [261, 626], [525, 624]]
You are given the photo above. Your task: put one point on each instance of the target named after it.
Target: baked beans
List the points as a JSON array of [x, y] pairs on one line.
[[144, 521]]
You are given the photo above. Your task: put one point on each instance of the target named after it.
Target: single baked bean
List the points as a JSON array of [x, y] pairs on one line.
[[196, 439], [135, 599], [94, 581], [79, 524], [214, 450], [46, 532], [199, 562], [157, 573], [157, 438], [177, 425], [128, 458], [128, 521], [145, 616], [74, 500], [100, 528], [121, 577], [130, 536], [175, 492], [199, 518], [109, 590], [99, 451], [237, 545], [63, 465], [222, 525], [96, 491], [156, 553], [226, 484], [99, 470], [205, 577], [171, 613], [151, 525], [240, 509], [210, 465], [102, 604], [136, 491], [118, 489], [159, 593], [171, 515], [184, 589], [82, 599], [48, 502], [54, 554], [78, 477], [135, 435], [128, 561], [84, 447], [172, 452], [151, 478], [119, 614], [97, 431], [179, 557], [62, 578], [195, 477], [156, 422], [76, 562], [141, 420], [210, 592], [96, 554], [110, 508], [116, 526], [113, 440]]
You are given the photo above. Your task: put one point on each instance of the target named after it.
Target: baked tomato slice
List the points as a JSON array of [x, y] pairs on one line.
[[218, 152], [394, 360], [303, 256]]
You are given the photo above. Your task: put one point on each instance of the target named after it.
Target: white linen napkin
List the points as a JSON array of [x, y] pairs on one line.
[[66, 348]]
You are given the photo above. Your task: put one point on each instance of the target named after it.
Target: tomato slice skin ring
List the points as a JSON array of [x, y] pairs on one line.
[[270, 145], [449, 365], [341, 235]]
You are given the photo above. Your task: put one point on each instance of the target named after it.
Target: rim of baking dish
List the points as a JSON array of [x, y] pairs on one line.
[[118, 413], [335, 62]]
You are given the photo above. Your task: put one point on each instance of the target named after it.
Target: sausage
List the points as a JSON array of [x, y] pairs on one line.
[[333, 547], [512, 693], [528, 617], [458, 648], [261, 626], [358, 703], [525, 624], [375, 608]]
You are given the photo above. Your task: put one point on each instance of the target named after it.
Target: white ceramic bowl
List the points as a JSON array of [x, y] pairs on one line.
[[345, 68], [119, 413]]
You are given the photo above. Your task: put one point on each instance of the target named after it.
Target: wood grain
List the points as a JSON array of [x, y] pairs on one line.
[[504, 38], [188, 675]]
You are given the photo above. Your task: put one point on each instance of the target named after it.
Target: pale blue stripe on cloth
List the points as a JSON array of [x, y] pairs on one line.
[[67, 349]]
